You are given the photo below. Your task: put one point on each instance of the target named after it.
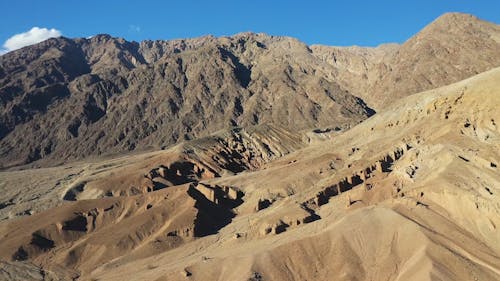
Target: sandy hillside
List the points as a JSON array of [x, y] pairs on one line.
[[411, 193]]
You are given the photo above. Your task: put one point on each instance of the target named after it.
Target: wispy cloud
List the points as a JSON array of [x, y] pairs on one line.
[[134, 28], [33, 36]]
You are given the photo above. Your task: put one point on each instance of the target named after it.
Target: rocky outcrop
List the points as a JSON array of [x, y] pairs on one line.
[[226, 152], [220, 195], [176, 173], [214, 204], [383, 165], [171, 216]]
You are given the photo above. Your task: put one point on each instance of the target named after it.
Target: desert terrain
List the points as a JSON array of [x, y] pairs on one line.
[[253, 157]]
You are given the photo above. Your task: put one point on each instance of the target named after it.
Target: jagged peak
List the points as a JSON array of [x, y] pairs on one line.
[[104, 38], [101, 36], [250, 34]]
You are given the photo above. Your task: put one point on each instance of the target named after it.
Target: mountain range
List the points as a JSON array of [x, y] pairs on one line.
[[252, 157], [69, 99]]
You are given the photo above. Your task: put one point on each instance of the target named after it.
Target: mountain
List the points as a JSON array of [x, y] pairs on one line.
[[451, 48], [409, 194], [83, 97], [69, 99], [252, 157]]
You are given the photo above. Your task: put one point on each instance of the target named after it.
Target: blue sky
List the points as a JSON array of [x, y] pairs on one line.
[[365, 23]]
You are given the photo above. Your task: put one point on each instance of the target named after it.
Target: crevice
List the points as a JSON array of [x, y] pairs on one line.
[[241, 72]]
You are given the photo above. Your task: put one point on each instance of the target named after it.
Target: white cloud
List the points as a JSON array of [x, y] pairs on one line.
[[33, 36]]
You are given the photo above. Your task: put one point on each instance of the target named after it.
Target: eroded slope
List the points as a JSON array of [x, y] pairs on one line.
[[409, 194]]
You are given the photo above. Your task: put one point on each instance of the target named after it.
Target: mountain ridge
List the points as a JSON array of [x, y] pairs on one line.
[[100, 88], [252, 157]]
